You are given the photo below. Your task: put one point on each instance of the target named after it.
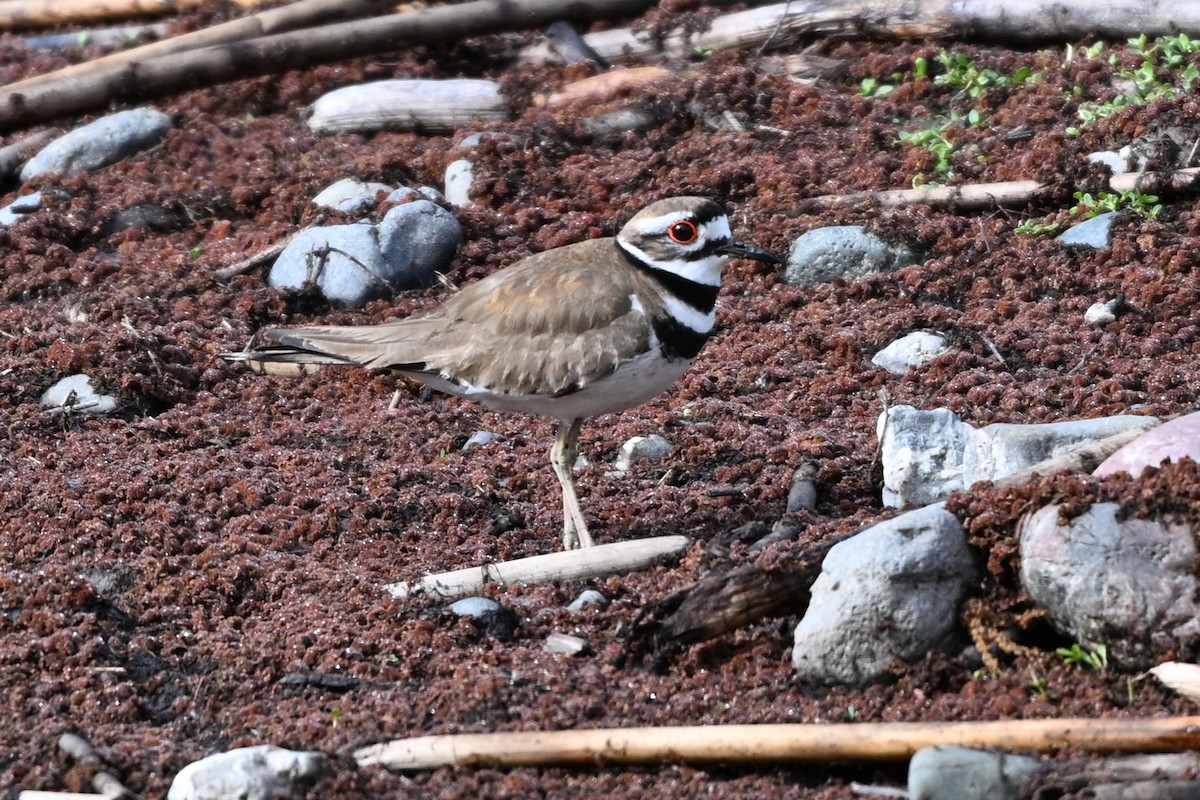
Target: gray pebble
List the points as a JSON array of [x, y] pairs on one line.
[[349, 194], [418, 240], [248, 773], [565, 644], [75, 395], [639, 448], [460, 174], [588, 598], [474, 607], [1102, 313], [842, 251], [1092, 232], [949, 772], [481, 438], [17, 209], [911, 351], [103, 142]]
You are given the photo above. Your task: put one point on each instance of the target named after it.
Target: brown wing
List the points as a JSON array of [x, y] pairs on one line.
[[549, 324]]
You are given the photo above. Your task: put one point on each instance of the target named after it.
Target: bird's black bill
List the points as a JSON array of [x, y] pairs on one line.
[[739, 249]]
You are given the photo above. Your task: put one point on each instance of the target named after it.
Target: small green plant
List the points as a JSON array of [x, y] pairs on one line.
[[1075, 655], [873, 87], [934, 139], [1089, 205], [335, 715], [1039, 686], [194, 253], [961, 73], [1036, 227], [1166, 68]]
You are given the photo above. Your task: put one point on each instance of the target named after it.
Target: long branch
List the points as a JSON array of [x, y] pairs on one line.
[[158, 76]]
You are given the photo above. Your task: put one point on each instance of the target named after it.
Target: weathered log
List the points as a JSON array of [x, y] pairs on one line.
[[276, 20], [750, 744], [1007, 194], [16, 15], [161, 75], [781, 24], [1143, 777]]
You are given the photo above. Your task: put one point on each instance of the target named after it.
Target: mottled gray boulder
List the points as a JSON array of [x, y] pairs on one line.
[[928, 455], [264, 772], [911, 351], [891, 592], [949, 772], [418, 240], [922, 454], [344, 261], [842, 251], [103, 142], [1123, 583], [1002, 448], [1092, 232]]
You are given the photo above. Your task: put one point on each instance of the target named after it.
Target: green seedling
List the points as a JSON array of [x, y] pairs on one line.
[[1075, 655]]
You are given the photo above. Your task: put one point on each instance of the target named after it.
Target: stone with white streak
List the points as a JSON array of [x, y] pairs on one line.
[[100, 143], [248, 773], [911, 351]]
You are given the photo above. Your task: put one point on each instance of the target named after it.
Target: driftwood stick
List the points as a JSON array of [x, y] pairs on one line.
[[747, 744], [1082, 458], [12, 156], [590, 562], [276, 20], [781, 24], [30, 14], [1008, 193], [208, 66]]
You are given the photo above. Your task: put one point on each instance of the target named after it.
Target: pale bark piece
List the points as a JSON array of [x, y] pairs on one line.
[[430, 106], [588, 562], [18, 15], [749, 744]]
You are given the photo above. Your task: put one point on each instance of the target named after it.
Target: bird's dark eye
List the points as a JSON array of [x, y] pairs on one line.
[[683, 232]]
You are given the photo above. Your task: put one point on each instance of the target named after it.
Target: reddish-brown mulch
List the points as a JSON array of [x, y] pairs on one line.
[[162, 569]]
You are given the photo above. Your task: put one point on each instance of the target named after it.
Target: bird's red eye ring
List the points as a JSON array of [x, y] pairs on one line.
[[683, 232]]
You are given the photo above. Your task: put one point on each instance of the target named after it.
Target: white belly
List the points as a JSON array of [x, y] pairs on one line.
[[633, 383]]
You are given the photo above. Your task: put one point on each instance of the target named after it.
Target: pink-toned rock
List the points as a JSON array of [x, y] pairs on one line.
[[1167, 442]]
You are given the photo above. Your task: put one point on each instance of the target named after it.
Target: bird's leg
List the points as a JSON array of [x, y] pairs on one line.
[[562, 458]]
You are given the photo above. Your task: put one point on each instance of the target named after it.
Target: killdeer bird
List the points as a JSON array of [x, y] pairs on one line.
[[569, 333]]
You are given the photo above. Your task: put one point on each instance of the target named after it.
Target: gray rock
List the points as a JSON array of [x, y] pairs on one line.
[[417, 240], [927, 455], [842, 251], [802, 493], [17, 209], [248, 773], [344, 261], [75, 395], [1119, 582], [1002, 449], [103, 142], [460, 174], [641, 448], [949, 772], [588, 598], [350, 194], [565, 644], [1102, 313], [911, 351], [1116, 160], [922, 454], [480, 439], [891, 592], [1092, 232], [474, 607]]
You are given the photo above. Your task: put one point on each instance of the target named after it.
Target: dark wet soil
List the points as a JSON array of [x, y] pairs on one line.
[[163, 569]]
